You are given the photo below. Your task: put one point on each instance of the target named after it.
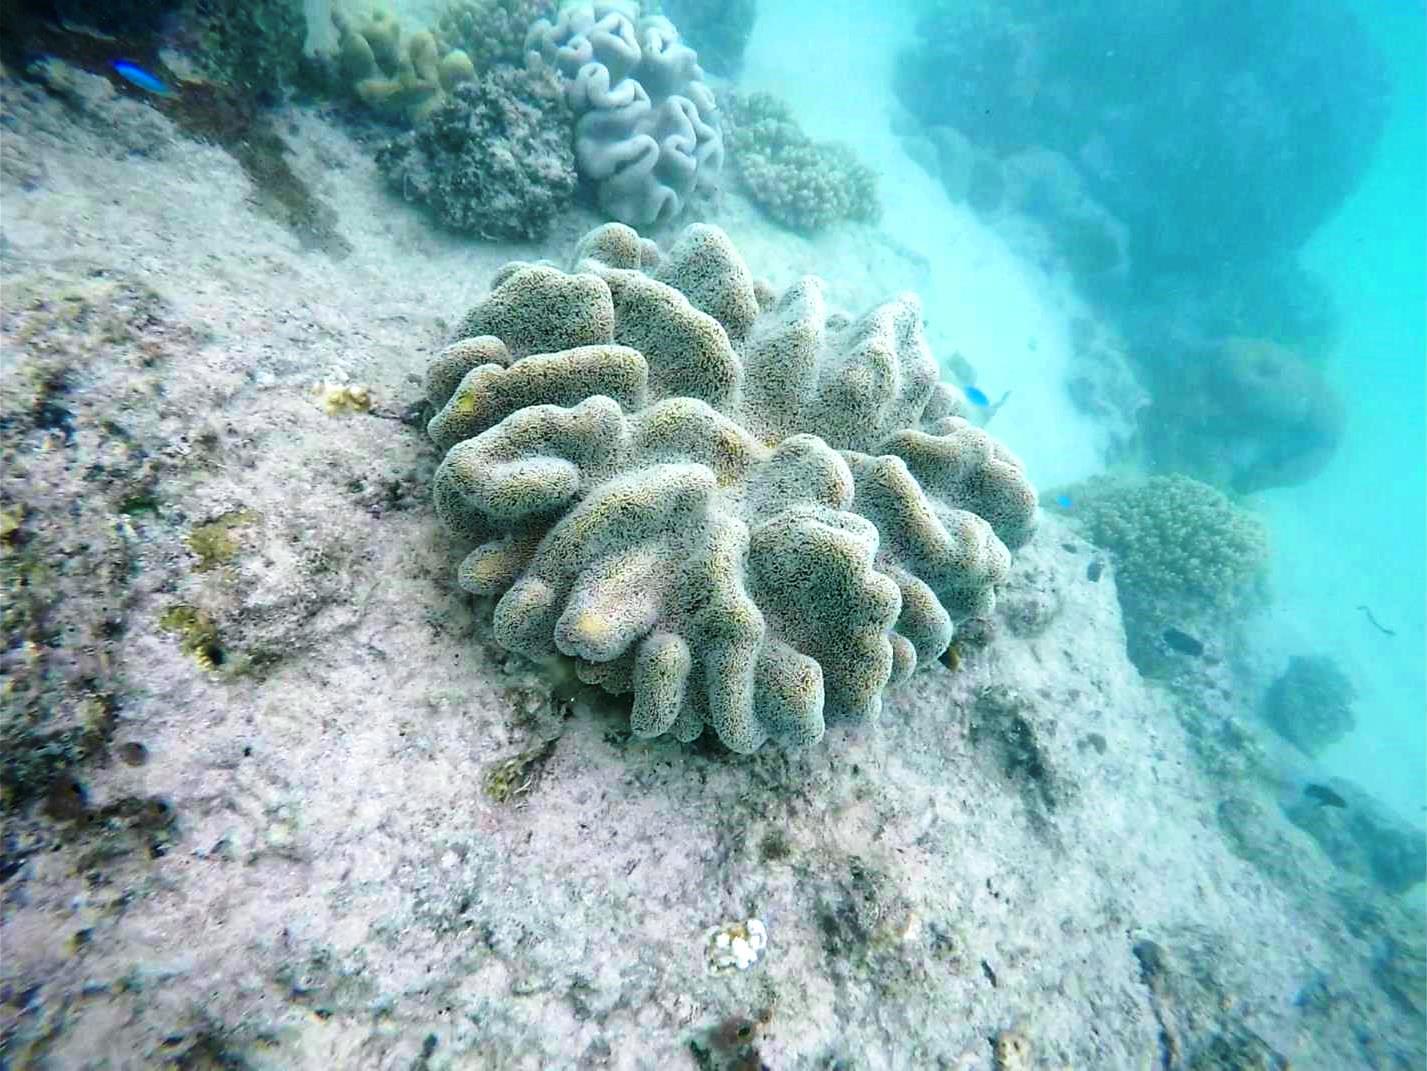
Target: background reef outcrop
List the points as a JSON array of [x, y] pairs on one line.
[[1311, 703], [1243, 413], [718, 29], [754, 518], [647, 128], [1264, 97]]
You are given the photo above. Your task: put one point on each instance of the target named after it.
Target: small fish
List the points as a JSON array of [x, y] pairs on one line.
[[976, 396], [1093, 571], [1324, 795], [1183, 642], [1064, 501], [137, 76]]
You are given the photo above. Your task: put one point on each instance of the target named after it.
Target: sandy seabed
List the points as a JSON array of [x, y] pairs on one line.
[[288, 854]]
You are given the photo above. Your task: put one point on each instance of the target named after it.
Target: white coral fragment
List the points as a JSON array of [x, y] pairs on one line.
[[734, 946]]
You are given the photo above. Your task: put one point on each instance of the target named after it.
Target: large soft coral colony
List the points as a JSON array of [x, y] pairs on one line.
[[752, 516]]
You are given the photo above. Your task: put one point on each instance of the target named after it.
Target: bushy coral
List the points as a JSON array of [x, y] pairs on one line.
[[1173, 538], [751, 518], [493, 159], [803, 184], [1311, 704], [647, 127], [1186, 559]]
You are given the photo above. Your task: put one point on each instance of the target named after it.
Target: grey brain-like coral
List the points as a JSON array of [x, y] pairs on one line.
[[647, 130], [751, 518]]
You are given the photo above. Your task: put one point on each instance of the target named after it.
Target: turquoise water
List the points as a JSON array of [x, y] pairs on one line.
[[1355, 535]]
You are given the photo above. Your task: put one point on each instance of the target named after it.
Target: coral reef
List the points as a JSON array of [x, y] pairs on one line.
[[400, 74], [804, 185], [493, 159], [1184, 554], [1104, 384], [1401, 970], [490, 32], [750, 519], [719, 29], [1242, 413], [1311, 703], [1364, 838], [251, 46], [647, 128]]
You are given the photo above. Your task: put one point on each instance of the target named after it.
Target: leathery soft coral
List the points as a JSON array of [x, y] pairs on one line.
[[646, 125], [754, 517]]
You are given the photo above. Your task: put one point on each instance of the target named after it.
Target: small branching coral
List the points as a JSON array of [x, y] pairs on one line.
[[1185, 555], [754, 518], [490, 32], [803, 184], [1173, 537]]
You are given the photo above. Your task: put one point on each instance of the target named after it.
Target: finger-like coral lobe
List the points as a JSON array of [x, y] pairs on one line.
[[750, 520]]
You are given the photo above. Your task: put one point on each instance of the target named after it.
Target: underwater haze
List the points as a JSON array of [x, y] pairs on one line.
[[713, 534]]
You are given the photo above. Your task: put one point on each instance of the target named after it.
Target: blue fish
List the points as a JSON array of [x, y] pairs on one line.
[[976, 396], [137, 76], [1063, 501]]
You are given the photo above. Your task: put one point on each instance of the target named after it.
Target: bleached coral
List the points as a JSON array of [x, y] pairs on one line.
[[647, 128], [750, 519]]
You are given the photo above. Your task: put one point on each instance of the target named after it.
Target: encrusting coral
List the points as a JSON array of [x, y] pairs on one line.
[[493, 159], [803, 184], [647, 129], [751, 517]]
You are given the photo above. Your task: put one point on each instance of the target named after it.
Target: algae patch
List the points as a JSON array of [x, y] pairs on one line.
[[197, 634], [216, 543]]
